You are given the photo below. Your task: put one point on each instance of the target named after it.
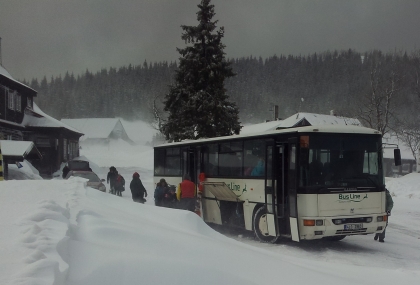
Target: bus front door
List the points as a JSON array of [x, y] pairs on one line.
[[270, 193], [292, 169], [189, 163], [280, 170]]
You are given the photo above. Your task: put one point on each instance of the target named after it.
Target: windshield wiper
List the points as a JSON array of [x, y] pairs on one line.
[[367, 178]]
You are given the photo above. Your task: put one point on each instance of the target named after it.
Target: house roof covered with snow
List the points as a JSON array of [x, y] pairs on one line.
[[6, 74], [37, 118], [98, 128], [19, 149], [300, 119]]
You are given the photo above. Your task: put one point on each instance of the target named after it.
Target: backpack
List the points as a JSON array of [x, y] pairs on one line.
[[120, 182]]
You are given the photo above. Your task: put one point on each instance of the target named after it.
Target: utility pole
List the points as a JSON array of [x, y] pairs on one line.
[[1, 62]]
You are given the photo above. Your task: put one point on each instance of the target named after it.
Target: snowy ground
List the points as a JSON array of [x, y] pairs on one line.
[[60, 232]]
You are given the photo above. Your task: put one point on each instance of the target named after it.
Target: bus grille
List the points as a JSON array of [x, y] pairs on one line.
[[351, 220], [347, 232]]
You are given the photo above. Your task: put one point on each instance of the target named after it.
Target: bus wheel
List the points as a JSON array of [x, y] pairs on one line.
[[261, 228], [334, 238]]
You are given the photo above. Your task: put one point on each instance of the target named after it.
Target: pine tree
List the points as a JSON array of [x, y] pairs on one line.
[[197, 102]]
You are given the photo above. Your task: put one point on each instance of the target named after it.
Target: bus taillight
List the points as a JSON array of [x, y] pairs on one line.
[[309, 223], [382, 218]]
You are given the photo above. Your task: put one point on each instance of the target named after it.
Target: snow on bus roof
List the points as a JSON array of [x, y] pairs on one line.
[[346, 129], [296, 119]]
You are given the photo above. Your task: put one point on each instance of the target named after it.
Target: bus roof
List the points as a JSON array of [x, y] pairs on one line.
[[349, 129]]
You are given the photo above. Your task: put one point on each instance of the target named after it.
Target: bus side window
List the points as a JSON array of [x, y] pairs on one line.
[[254, 158], [159, 161], [230, 159], [211, 160], [173, 161]]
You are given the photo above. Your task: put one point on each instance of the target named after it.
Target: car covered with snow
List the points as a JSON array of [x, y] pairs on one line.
[[94, 181]]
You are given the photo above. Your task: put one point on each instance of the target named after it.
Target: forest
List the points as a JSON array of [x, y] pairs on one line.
[[378, 88]]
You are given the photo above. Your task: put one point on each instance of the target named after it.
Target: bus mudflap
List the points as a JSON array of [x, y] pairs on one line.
[[220, 191], [271, 225], [294, 230]]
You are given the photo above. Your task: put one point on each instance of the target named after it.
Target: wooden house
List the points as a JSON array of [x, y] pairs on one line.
[[22, 120]]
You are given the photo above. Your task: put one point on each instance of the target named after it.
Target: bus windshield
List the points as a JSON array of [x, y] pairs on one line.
[[340, 161]]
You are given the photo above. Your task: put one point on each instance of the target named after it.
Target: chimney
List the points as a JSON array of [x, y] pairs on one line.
[[1, 63]]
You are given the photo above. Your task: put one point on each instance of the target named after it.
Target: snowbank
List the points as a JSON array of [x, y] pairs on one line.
[[405, 186], [60, 232], [26, 172]]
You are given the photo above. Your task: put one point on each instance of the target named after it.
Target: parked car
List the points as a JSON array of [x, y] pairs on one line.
[[79, 165], [94, 180], [75, 164]]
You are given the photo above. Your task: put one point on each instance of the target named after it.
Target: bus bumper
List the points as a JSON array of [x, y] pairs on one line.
[[319, 227]]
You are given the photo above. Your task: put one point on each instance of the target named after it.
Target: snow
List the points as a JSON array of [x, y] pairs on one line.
[[313, 119], [93, 127], [6, 74], [25, 172], [101, 128], [64, 233], [16, 148], [140, 132], [41, 119]]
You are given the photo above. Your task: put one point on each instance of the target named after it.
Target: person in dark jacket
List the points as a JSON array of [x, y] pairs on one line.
[[110, 179], [169, 200], [66, 170], [137, 189], [389, 204], [160, 192]]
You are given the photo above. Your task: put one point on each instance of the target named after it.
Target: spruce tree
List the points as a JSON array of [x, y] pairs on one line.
[[197, 102]]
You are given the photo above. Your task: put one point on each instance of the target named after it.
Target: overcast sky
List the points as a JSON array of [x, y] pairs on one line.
[[50, 37]]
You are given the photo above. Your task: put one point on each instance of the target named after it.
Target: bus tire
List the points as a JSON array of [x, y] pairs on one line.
[[334, 238], [260, 226]]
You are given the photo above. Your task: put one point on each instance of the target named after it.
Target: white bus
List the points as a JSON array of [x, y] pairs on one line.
[[304, 183]]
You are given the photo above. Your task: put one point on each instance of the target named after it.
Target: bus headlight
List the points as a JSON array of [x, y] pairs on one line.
[[319, 222]]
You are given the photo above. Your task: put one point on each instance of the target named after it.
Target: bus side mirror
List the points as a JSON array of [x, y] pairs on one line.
[[397, 157]]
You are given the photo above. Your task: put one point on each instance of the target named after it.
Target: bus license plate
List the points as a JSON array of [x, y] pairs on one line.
[[353, 227]]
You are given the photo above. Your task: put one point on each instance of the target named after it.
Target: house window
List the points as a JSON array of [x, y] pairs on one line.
[[11, 100], [44, 142], [29, 102], [18, 102], [73, 149]]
